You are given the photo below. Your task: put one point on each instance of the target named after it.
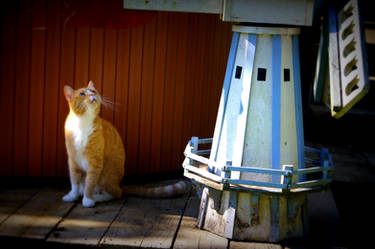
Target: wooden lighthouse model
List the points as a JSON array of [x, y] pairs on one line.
[[259, 124], [259, 121], [255, 177]]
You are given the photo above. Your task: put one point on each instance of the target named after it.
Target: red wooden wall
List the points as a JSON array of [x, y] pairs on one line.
[[165, 78]]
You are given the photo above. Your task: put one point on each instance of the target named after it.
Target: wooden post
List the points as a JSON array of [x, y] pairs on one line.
[[203, 208], [220, 213], [287, 180], [227, 174], [194, 148]]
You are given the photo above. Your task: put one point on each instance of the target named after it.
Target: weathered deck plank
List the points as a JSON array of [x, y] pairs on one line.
[[189, 236], [86, 226], [145, 223], [13, 198], [37, 217], [253, 245]]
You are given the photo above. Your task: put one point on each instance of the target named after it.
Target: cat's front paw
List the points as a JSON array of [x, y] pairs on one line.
[[70, 197], [87, 202]]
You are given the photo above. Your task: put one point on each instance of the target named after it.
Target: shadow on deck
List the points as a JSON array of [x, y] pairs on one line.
[[36, 216]]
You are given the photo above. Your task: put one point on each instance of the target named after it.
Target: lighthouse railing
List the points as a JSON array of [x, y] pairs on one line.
[[318, 164]]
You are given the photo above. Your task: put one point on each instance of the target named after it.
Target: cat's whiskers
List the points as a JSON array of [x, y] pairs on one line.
[[108, 103]]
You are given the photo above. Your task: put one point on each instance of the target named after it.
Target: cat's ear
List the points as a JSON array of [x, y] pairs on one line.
[[91, 85], [68, 92]]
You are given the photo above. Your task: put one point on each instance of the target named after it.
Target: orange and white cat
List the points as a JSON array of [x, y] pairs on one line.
[[95, 150], [96, 154]]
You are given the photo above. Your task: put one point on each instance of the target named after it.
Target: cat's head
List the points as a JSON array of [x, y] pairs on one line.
[[84, 99]]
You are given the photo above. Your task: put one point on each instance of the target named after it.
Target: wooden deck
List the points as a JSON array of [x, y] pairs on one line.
[[38, 216]]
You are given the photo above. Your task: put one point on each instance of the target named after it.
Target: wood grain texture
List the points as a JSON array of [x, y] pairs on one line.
[[28, 212], [22, 87], [253, 245], [152, 226], [12, 199], [179, 139], [158, 93], [148, 69], [134, 98], [164, 79], [7, 77], [122, 82], [221, 212], [37, 217], [66, 77], [37, 86], [81, 60], [109, 73], [189, 236], [169, 92], [51, 90], [85, 226]]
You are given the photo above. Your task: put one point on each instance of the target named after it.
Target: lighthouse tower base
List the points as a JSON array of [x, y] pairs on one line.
[[253, 216]]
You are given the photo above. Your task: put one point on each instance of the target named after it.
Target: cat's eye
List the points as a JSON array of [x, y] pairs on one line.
[[82, 94]]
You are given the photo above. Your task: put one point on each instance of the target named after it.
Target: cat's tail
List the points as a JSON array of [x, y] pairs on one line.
[[167, 191]]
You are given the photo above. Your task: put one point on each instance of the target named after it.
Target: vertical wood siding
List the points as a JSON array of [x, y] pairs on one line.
[[164, 77]]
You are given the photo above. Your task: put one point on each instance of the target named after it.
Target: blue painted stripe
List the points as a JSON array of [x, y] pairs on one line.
[[252, 38], [224, 98], [276, 103], [230, 65], [298, 104]]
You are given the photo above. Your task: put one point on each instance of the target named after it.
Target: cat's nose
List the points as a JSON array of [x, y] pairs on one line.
[[92, 98], [90, 93]]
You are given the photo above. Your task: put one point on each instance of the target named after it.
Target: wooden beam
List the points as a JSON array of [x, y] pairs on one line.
[[37, 217], [191, 237], [253, 245], [13, 199], [266, 11], [333, 62], [146, 223], [198, 6], [86, 226]]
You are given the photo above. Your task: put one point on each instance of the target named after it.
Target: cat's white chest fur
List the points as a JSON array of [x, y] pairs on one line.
[[81, 127]]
